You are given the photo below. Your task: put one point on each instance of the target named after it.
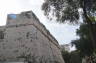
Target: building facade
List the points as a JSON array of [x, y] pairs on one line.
[[24, 38]]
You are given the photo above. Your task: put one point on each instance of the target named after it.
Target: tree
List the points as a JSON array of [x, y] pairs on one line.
[[75, 57], [71, 57], [67, 11], [83, 44], [66, 56]]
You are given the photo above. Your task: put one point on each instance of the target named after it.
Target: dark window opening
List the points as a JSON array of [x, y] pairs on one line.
[[28, 15], [1, 35]]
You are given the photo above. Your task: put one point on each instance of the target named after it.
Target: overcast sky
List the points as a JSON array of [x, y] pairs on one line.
[[62, 32]]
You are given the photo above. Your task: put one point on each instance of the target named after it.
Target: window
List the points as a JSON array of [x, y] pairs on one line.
[[28, 15], [1, 35]]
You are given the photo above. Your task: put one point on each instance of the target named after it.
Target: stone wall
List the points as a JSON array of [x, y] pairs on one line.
[[25, 38]]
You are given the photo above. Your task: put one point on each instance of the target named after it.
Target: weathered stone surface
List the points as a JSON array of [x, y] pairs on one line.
[[26, 38]]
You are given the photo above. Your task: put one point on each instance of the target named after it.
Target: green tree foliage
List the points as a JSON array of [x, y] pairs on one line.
[[71, 57], [84, 43], [66, 56], [75, 57], [67, 11]]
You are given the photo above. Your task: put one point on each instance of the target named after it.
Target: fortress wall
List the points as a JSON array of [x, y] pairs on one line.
[[27, 36]]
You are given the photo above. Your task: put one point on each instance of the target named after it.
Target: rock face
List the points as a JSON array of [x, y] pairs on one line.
[[24, 38]]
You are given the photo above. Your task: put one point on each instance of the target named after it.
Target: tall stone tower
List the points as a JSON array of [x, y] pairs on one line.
[[24, 38]]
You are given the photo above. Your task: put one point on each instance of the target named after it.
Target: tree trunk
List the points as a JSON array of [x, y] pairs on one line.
[[90, 26]]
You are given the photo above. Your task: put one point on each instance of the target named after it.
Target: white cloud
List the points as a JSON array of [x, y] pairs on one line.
[[64, 33]]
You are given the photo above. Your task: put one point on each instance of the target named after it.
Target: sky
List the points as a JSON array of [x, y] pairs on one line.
[[63, 33]]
